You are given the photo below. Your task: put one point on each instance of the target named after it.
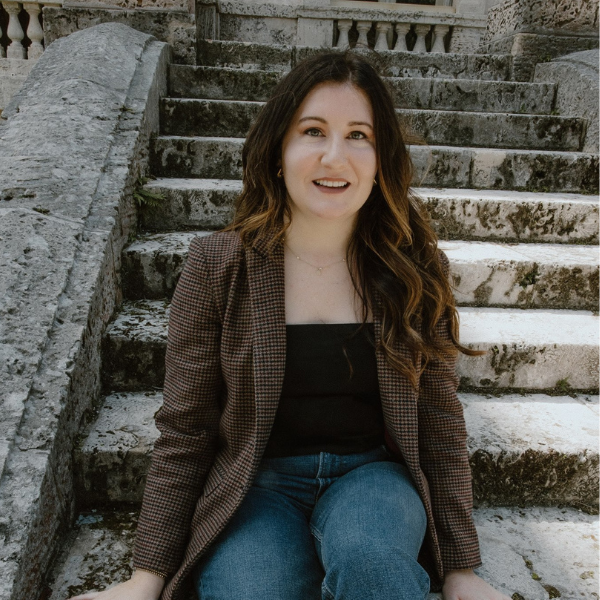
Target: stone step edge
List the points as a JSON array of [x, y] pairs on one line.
[[526, 553], [441, 166], [295, 53], [403, 111], [467, 214], [526, 350], [411, 89], [199, 183], [418, 147], [482, 273], [536, 450]]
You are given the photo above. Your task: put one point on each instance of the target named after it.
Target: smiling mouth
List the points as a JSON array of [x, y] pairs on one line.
[[331, 184]]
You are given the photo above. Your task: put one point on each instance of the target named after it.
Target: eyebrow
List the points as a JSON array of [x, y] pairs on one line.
[[322, 120]]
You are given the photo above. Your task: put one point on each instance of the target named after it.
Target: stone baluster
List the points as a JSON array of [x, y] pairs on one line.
[[402, 30], [2, 50], [382, 36], [439, 31], [14, 31], [421, 31], [344, 26], [34, 30], [363, 28]]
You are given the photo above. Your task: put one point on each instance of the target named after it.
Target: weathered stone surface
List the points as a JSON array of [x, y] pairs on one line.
[[276, 30], [96, 554], [529, 49], [529, 349], [221, 83], [526, 349], [527, 450], [113, 458], [248, 55], [530, 15], [134, 346], [512, 216], [533, 450], [472, 95], [435, 166], [176, 28], [64, 219], [13, 72], [191, 204], [577, 78], [483, 273], [525, 275], [153, 263], [559, 545], [456, 214], [233, 118], [493, 130]]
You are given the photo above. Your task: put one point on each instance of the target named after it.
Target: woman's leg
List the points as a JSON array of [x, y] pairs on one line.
[[369, 526], [266, 552]]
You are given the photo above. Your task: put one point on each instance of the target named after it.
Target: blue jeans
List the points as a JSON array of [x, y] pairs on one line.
[[321, 527]]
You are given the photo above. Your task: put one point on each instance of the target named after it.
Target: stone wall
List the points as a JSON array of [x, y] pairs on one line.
[[73, 144], [535, 16], [578, 89], [535, 31], [177, 28]]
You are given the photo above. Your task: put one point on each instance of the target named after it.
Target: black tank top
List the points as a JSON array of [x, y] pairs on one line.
[[330, 397]]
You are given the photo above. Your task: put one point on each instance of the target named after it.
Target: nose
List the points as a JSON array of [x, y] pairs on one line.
[[334, 153]]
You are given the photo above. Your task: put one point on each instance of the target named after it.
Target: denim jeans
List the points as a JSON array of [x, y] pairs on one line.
[[321, 527]]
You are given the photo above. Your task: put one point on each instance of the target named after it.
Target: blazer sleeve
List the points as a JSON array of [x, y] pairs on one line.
[[444, 457], [188, 420]]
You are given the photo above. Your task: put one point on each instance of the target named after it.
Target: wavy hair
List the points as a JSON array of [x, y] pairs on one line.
[[394, 262]]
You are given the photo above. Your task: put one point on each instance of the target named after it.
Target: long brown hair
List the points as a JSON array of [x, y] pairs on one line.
[[393, 258]]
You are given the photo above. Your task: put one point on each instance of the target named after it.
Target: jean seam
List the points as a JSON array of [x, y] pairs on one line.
[[316, 534], [326, 591]]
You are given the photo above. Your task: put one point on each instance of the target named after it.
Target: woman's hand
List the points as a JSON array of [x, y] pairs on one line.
[[141, 586], [465, 585]]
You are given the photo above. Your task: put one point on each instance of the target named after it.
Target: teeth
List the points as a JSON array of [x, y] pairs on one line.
[[335, 184]]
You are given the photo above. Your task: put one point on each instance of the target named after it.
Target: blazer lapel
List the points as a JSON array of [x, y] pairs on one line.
[[267, 296]]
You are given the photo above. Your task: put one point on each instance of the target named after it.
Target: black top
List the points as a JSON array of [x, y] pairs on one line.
[[330, 397]]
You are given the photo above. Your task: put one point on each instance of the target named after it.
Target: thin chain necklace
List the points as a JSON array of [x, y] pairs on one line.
[[318, 269]]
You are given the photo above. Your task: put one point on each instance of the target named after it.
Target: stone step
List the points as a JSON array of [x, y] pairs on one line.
[[435, 166], [248, 56], [532, 554], [484, 273], [194, 204], [527, 349], [533, 450], [232, 118], [218, 83]]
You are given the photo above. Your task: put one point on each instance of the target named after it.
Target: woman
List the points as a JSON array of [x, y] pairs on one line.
[[311, 437]]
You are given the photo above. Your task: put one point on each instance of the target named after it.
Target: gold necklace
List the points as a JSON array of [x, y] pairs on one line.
[[318, 269]]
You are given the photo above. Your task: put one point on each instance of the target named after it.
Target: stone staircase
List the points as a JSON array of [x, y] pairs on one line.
[[513, 201]]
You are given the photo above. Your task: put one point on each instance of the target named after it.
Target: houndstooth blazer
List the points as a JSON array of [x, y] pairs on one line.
[[224, 371]]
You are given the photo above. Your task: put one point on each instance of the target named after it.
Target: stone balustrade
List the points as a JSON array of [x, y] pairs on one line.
[[393, 36], [380, 26], [24, 42]]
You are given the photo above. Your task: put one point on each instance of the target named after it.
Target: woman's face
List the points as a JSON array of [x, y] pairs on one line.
[[328, 153]]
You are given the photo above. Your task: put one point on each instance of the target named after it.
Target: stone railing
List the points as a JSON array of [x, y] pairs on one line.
[[18, 13], [385, 39], [343, 24]]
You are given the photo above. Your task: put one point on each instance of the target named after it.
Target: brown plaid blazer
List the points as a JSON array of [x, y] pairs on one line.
[[224, 371]]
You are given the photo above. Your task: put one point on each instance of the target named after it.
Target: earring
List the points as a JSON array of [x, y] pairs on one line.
[[374, 181], [280, 173]]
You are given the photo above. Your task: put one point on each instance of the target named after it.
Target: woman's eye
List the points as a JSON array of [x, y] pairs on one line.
[[313, 131], [358, 135]]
